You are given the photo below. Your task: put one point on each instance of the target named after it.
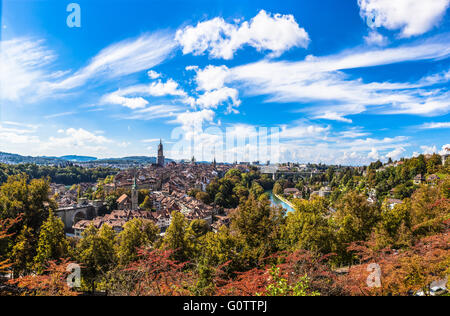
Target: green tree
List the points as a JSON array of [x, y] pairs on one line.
[[279, 286], [29, 199], [111, 202], [137, 234], [23, 252], [193, 237], [355, 219], [307, 228], [394, 228], [96, 253], [203, 196], [52, 243], [147, 204], [174, 238], [258, 229], [434, 163], [220, 248], [278, 189]]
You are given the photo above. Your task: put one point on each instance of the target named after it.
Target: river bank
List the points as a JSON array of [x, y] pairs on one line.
[[280, 201]]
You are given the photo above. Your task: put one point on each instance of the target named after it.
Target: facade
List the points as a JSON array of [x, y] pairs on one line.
[[123, 202], [445, 156], [418, 179], [325, 192], [391, 203]]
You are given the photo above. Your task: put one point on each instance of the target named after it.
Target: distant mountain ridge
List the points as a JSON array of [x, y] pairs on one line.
[[76, 158], [18, 159]]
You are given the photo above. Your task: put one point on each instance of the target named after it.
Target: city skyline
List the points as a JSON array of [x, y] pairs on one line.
[[344, 83]]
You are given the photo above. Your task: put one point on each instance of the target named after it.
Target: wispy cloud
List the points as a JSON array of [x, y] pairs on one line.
[[154, 112], [121, 59], [437, 125], [59, 115], [154, 89], [323, 82], [23, 63]]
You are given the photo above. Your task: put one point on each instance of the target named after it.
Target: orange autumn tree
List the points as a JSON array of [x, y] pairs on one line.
[[403, 272], [153, 274], [53, 282], [301, 273]]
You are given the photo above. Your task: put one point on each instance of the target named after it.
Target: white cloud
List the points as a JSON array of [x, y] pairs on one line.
[[428, 149], [154, 89], [153, 74], [375, 38], [411, 17], [396, 153], [435, 125], [154, 112], [265, 32], [12, 134], [211, 80], [354, 132], [333, 116], [121, 59], [189, 119], [305, 82], [211, 77], [374, 154], [151, 140], [299, 141], [22, 64], [75, 141], [159, 89], [132, 103], [212, 99], [304, 131], [78, 138]]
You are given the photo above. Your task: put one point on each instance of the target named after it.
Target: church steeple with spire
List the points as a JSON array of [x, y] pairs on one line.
[[134, 195], [161, 159]]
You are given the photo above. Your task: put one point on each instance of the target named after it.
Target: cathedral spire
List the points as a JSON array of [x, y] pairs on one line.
[[134, 187], [161, 159], [134, 194]]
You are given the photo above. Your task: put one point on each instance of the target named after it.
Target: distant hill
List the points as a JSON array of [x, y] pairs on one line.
[[17, 159], [75, 158], [130, 160], [64, 160]]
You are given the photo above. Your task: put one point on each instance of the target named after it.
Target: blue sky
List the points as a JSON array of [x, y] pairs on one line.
[[344, 82]]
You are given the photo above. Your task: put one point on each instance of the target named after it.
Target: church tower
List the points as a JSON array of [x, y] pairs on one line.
[[134, 195], [161, 159]]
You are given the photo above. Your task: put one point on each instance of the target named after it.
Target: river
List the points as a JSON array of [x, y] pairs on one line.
[[277, 202]]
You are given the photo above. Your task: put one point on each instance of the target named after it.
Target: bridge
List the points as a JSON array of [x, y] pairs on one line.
[[84, 210], [273, 170]]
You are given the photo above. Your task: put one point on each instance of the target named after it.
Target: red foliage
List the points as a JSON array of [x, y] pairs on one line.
[[155, 274], [52, 283], [402, 272], [292, 267]]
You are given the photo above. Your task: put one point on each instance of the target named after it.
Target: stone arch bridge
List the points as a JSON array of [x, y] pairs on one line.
[[83, 211]]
